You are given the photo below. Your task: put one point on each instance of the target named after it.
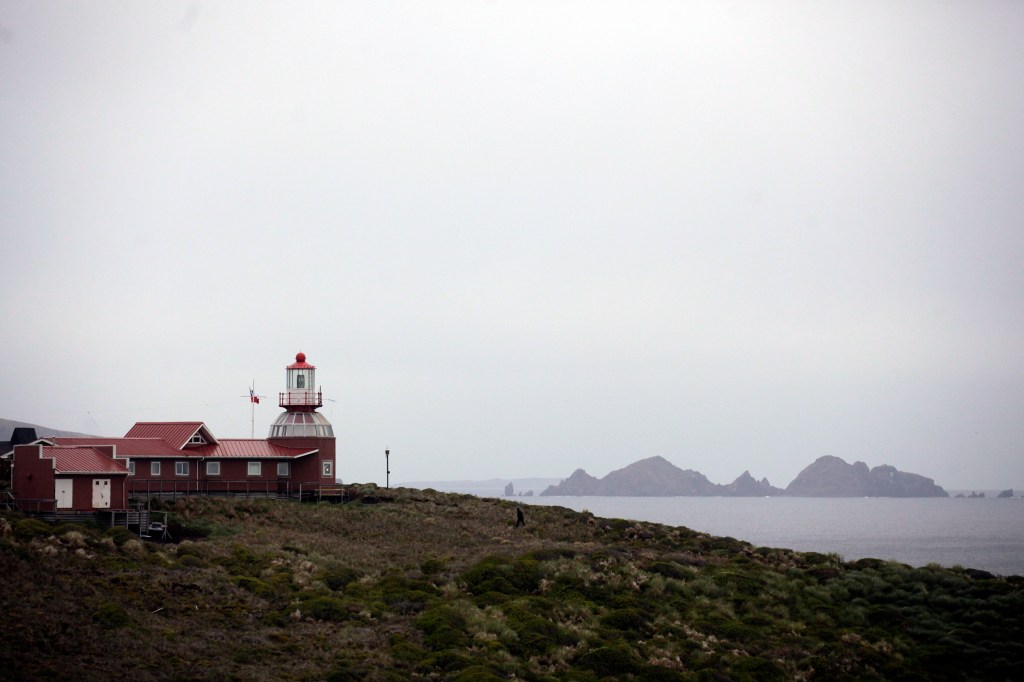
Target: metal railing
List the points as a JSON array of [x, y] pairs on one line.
[[300, 398], [7, 501], [280, 488], [40, 505]]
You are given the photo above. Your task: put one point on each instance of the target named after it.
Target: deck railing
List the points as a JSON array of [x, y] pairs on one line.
[[281, 488]]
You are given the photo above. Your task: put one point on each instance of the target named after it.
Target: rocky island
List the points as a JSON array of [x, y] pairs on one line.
[[832, 477], [826, 477]]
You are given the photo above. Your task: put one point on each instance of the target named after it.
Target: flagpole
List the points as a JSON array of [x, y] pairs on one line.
[[254, 400]]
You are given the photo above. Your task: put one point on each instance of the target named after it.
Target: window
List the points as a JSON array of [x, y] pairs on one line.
[[255, 468], [328, 469], [213, 468], [154, 468], [300, 381], [131, 468], [283, 469], [181, 468], [197, 440]]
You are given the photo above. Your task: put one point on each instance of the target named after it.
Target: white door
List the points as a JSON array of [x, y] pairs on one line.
[[65, 486], [101, 493]]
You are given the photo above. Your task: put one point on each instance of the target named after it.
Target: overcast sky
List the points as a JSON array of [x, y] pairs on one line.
[[519, 238]]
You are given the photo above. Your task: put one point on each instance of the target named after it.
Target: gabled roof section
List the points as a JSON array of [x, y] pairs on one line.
[[178, 435], [83, 459], [249, 448], [126, 447]]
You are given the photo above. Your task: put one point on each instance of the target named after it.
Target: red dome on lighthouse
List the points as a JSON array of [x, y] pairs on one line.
[[300, 362]]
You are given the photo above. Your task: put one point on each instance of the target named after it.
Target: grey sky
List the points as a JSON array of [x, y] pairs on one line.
[[517, 238]]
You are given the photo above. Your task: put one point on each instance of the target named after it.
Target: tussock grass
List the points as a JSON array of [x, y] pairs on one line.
[[421, 585]]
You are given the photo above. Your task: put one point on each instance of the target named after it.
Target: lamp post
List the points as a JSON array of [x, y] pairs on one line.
[[387, 467]]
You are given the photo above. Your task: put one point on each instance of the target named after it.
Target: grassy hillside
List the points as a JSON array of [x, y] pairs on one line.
[[412, 584]]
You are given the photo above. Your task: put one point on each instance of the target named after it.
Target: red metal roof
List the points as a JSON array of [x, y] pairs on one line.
[[79, 459], [300, 362], [126, 447], [248, 448], [142, 448], [175, 434]]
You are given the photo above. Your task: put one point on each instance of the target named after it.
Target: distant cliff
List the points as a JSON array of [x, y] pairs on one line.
[[826, 477], [832, 477], [657, 477]]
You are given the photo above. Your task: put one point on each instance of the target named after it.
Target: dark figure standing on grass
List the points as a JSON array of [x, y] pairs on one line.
[[520, 521]]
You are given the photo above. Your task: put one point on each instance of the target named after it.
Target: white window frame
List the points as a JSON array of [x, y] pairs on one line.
[[181, 468], [131, 467], [284, 469], [154, 468], [213, 468], [328, 467], [250, 466]]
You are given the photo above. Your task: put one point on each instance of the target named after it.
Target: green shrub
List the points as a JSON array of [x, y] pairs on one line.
[[491, 599], [614, 659], [120, 535], [490, 575], [26, 529], [444, 627], [86, 528], [654, 673], [536, 633], [244, 562], [254, 585], [628, 621], [325, 608], [394, 588], [338, 577], [191, 561], [447, 660], [551, 554], [345, 671], [404, 651], [111, 615], [670, 569], [756, 668], [479, 673]]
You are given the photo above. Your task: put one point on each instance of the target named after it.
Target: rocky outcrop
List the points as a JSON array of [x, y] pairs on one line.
[[580, 483], [657, 477], [832, 477], [1006, 493], [746, 486]]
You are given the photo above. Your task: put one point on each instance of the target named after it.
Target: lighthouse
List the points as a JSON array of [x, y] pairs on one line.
[[300, 425]]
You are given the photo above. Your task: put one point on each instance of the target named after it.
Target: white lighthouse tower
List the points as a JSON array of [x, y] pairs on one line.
[[300, 400], [300, 425]]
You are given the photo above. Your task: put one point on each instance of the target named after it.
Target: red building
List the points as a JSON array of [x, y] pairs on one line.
[[185, 458], [68, 478]]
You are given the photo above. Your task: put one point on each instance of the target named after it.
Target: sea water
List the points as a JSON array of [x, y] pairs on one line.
[[984, 533]]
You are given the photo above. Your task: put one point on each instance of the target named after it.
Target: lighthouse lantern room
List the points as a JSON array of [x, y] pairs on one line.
[[300, 400]]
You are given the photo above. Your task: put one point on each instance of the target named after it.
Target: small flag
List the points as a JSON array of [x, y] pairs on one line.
[[253, 398]]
